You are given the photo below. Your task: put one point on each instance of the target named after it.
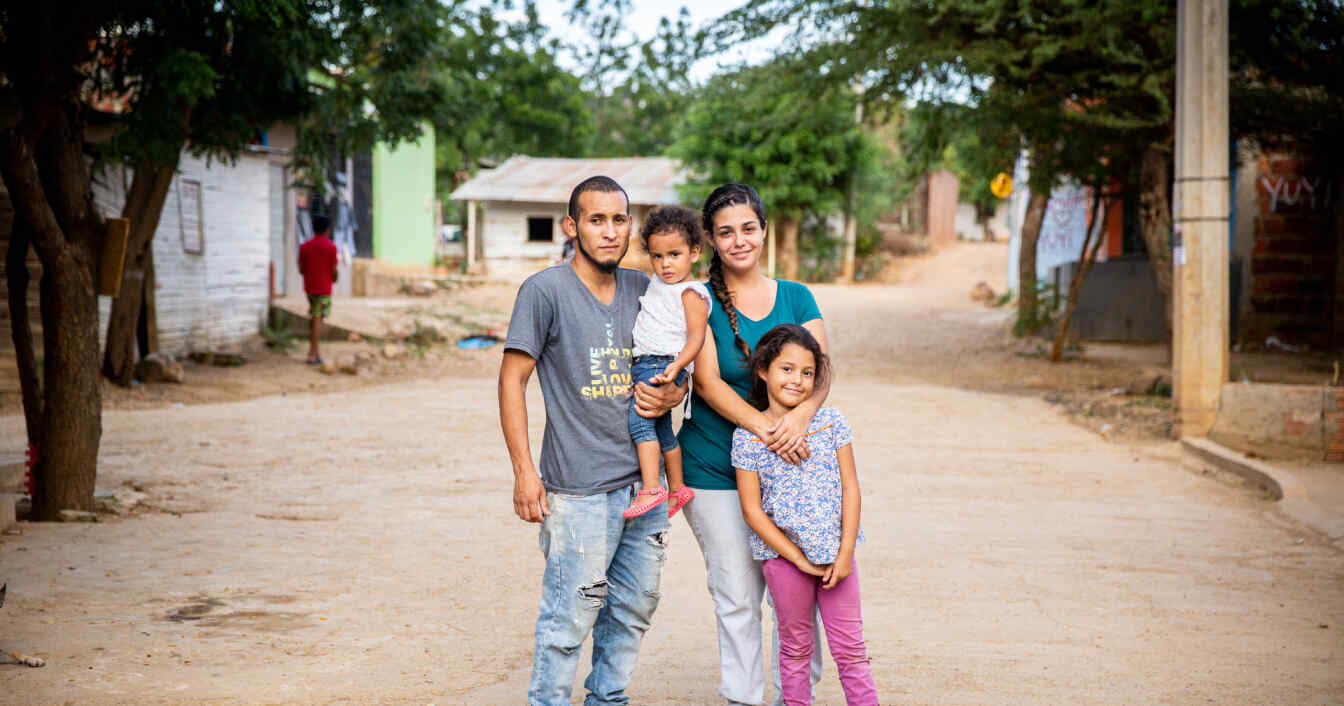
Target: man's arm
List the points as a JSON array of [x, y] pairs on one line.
[[529, 496]]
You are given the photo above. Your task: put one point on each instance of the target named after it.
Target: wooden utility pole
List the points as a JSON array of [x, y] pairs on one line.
[[471, 235], [1200, 238]]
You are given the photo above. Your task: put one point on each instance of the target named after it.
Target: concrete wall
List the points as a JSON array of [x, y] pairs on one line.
[[215, 298], [403, 202], [1275, 420], [942, 212], [994, 229], [1119, 301], [508, 253]]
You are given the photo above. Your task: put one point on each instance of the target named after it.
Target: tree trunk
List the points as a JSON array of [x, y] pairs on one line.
[[50, 189], [16, 274], [144, 206], [1155, 217], [1028, 318], [787, 260], [1086, 259]]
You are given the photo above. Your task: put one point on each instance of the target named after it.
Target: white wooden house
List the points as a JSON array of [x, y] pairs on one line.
[[514, 211], [212, 249]]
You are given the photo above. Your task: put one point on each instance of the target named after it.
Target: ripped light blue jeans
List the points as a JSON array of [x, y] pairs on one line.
[[602, 576]]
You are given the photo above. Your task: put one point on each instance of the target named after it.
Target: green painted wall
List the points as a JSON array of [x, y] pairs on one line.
[[403, 202]]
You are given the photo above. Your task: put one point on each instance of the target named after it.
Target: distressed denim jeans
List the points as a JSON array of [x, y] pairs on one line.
[[602, 576]]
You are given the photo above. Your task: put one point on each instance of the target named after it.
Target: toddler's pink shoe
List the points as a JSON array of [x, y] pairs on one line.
[[651, 498], [678, 500]]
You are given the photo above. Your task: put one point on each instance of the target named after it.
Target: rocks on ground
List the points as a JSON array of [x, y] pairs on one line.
[[159, 367], [982, 293]]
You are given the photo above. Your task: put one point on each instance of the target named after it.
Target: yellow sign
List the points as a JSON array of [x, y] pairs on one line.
[[1001, 185]]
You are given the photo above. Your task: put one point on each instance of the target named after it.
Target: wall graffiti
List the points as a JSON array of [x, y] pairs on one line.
[[1293, 192]]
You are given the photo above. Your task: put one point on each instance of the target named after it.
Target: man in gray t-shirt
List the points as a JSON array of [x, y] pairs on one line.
[[572, 323]]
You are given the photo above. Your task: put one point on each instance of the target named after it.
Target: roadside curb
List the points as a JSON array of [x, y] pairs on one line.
[[1286, 489]]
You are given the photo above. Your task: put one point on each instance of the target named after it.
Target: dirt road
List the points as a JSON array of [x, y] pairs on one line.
[[360, 548]]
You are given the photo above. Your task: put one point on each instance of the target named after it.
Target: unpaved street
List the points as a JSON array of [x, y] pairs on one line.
[[360, 547]]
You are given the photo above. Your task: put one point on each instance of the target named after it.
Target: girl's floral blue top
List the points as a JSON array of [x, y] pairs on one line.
[[803, 501]]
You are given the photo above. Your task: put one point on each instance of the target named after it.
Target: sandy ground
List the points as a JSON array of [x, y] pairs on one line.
[[360, 547]]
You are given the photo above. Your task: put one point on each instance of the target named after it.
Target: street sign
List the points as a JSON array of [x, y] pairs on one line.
[[1001, 185]]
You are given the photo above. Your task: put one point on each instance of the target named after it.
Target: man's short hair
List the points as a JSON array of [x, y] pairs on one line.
[[604, 184], [321, 223]]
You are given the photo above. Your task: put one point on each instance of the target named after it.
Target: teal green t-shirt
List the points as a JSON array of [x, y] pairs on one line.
[[707, 438]]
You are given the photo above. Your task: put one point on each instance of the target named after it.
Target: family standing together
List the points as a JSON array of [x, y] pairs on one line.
[[763, 472]]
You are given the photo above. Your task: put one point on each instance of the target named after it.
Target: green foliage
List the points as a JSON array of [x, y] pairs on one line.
[[189, 72], [507, 95], [635, 91], [1047, 300], [279, 337], [766, 127]]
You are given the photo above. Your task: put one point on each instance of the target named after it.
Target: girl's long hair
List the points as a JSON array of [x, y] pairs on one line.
[[768, 348], [719, 199]]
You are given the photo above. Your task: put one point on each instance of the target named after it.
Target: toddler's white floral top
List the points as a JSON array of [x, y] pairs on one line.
[[803, 501]]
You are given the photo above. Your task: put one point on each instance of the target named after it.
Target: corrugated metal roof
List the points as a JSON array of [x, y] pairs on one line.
[[648, 180]]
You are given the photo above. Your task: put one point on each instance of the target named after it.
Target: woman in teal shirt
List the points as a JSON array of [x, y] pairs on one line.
[[746, 305]]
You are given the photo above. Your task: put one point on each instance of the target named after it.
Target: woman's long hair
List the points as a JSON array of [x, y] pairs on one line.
[[768, 348], [719, 199]]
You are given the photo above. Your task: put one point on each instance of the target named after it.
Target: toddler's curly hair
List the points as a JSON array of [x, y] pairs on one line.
[[672, 219]]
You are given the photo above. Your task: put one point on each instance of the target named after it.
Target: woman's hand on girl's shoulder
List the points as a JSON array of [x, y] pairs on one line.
[[788, 436]]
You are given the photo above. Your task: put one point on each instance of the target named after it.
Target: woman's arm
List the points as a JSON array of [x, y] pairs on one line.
[[721, 396], [749, 494], [850, 502], [787, 436]]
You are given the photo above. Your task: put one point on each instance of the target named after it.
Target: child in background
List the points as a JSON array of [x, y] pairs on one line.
[[669, 331], [805, 520], [319, 266]]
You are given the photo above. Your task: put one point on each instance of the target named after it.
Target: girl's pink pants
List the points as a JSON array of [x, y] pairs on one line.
[[796, 596]]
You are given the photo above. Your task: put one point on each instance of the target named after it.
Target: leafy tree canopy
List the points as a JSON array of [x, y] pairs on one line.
[[761, 126]]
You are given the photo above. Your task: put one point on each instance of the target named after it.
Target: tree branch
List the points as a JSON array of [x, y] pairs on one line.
[[19, 168]]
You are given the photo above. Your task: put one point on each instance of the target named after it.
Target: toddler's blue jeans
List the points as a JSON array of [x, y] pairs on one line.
[[642, 429]]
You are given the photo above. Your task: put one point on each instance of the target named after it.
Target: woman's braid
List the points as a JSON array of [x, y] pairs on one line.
[[725, 299]]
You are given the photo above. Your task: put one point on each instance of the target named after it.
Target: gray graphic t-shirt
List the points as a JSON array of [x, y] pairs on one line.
[[582, 348]]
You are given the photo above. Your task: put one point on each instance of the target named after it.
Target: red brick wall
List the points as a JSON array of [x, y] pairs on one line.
[[1293, 283]]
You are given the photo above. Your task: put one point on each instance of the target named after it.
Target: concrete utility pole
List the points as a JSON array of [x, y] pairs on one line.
[[852, 208], [1199, 244]]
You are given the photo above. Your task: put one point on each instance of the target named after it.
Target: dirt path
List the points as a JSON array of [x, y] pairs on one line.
[[360, 548]]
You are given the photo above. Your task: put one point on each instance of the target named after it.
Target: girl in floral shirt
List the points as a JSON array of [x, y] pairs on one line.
[[805, 519]]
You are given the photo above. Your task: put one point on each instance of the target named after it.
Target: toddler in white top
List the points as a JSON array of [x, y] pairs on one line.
[[669, 332]]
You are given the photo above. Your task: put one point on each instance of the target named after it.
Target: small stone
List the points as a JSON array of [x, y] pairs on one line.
[[982, 292], [76, 516], [108, 505], [348, 364], [160, 367], [393, 351], [328, 367], [425, 288]]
